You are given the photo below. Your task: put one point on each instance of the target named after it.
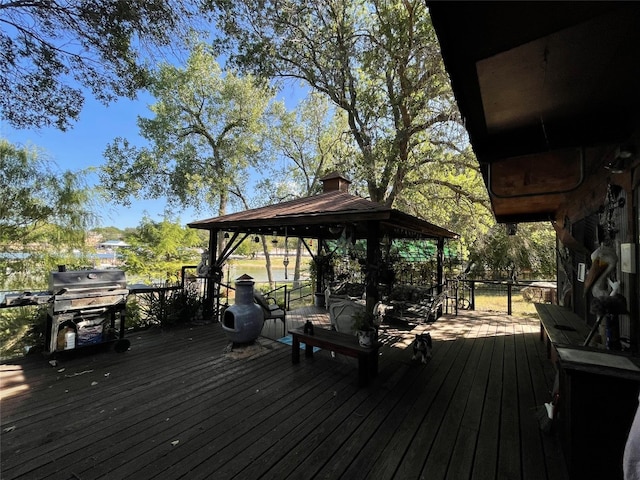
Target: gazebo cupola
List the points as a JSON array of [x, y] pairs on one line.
[[335, 182]]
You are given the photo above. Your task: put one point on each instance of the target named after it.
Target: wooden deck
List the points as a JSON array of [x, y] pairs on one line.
[[180, 405]]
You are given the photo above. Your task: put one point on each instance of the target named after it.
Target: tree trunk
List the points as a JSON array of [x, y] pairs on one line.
[[296, 271], [267, 261]]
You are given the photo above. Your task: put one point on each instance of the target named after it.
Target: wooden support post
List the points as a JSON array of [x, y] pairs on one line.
[[373, 262], [440, 274]]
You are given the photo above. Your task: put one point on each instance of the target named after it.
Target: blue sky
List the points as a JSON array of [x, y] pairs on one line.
[[82, 147]]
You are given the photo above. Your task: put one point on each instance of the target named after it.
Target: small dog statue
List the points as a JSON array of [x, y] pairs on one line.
[[422, 346]]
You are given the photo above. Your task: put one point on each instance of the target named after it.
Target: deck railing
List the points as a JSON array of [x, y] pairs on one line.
[[501, 296]]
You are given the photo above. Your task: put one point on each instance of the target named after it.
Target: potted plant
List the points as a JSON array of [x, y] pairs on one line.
[[364, 328]]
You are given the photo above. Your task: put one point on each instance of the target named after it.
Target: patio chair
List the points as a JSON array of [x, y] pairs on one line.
[[271, 310], [341, 312]]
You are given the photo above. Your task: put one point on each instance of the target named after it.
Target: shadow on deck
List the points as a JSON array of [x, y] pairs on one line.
[[179, 404]]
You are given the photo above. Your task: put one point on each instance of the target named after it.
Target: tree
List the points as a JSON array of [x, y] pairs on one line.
[[35, 197], [159, 249], [378, 61], [43, 212], [454, 195], [50, 50], [207, 130], [311, 141], [531, 250]]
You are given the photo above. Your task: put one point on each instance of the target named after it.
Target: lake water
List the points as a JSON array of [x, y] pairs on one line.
[[259, 274]]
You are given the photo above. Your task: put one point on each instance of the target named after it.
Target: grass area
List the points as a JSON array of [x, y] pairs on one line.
[[495, 303], [493, 298]]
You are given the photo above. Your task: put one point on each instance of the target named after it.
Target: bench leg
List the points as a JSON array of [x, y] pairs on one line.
[[295, 349], [308, 350], [373, 365]]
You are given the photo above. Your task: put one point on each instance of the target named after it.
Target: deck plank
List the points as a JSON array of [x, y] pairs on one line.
[[428, 430], [532, 451], [509, 461], [400, 427], [179, 404], [440, 457], [464, 450], [486, 454]]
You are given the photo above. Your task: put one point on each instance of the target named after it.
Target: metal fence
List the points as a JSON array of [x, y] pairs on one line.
[[499, 296]]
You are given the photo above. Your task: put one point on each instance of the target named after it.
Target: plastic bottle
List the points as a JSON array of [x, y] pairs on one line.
[[308, 327], [69, 338]]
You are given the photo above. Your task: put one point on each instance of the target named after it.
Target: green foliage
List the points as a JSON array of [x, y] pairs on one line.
[[109, 233], [158, 250], [38, 201], [44, 214], [207, 128], [22, 329], [167, 308], [378, 62], [531, 250], [452, 194], [362, 320], [323, 266], [312, 140], [135, 319], [52, 50]]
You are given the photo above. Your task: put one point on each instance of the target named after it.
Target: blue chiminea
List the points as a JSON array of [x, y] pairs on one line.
[[242, 322]]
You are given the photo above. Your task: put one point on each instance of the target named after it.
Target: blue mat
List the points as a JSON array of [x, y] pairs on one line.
[[288, 340]]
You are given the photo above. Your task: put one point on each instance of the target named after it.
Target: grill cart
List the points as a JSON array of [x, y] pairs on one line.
[[86, 307]]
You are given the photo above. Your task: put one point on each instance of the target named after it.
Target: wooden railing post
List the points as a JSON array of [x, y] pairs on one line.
[[472, 295]]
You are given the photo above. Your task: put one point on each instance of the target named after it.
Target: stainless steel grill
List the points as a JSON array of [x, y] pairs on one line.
[[86, 307]]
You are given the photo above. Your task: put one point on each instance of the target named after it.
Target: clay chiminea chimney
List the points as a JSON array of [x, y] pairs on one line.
[[334, 181]]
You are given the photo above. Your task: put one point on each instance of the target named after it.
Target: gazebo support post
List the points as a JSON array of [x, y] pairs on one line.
[[440, 270], [211, 288], [373, 264], [319, 272], [318, 295]]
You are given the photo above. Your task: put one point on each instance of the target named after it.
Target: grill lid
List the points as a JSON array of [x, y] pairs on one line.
[[86, 280]]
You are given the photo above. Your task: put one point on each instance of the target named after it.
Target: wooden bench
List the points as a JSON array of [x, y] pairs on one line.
[[343, 343], [559, 326]]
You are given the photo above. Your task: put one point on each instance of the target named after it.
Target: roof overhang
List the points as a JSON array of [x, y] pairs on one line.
[[547, 90]]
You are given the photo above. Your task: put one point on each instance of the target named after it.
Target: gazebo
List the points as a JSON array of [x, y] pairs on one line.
[[326, 216]]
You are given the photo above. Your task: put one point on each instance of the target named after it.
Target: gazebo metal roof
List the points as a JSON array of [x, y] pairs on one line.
[[323, 216]]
